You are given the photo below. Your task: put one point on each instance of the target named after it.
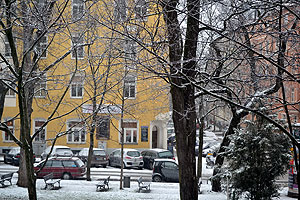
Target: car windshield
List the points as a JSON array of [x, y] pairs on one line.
[[64, 151], [165, 154], [99, 153], [133, 153], [14, 151], [79, 163]]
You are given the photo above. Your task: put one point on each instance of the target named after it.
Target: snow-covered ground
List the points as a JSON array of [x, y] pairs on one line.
[[81, 190]]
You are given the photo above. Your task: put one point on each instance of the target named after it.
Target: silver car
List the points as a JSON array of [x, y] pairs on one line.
[[131, 158], [57, 151]]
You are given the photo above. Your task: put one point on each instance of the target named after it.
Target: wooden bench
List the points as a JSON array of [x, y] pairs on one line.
[[6, 177], [142, 185], [103, 185], [49, 181]]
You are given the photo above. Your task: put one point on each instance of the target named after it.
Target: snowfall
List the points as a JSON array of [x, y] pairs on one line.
[[82, 189]]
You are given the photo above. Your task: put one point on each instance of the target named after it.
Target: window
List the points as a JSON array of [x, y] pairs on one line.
[[41, 136], [10, 125], [7, 52], [57, 163], [77, 87], [41, 47], [40, 89], [102, 130], [130, 49], [120, 10], [10, 93], [130, 132], [7, 75], [292, 94], [78, 132], [78, 48], [77, 9], [129, 87], [141, 9], [170, 165]]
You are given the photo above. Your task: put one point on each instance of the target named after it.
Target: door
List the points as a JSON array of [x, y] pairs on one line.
[[170, 171], [154, 137], [57, 168], [46, 170]]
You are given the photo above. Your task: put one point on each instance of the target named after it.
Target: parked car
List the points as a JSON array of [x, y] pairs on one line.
[[57, 151], [13, 156], [150, 154], [99, 157], [131, 158], [165, 170], [62, 167]]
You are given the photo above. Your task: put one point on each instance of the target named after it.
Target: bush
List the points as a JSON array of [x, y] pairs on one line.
[[257, 155]]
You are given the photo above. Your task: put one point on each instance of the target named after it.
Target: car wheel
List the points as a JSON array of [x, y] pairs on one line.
[[157, 179], [140, 168], [104, 166], [66, 176]]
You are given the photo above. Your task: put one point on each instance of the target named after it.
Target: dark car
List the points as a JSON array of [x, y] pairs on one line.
[[165, 170], [99, 157], [13, 156], [62, 167], [150, 154]]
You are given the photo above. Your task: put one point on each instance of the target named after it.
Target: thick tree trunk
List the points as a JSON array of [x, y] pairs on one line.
[[185, 141], [183, 99], [3, 91]]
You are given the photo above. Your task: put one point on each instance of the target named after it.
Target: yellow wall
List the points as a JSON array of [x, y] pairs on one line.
[[151, 97]]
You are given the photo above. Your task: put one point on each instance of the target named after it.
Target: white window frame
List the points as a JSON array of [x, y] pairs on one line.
[[131, 130], [38, 138], [7, 50], [77, 9], [80, 128], [77, 84], [77, 43], [130, 54], [129, 84], [12, 128], [141, 10], [42, 86], [292, 95], [7, 75]]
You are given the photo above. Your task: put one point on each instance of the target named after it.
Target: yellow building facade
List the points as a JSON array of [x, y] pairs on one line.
[[100, 55]]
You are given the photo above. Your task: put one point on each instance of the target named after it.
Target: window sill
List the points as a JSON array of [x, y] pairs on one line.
[[76, 142], [76, 97], [130, 143], [8, 141]]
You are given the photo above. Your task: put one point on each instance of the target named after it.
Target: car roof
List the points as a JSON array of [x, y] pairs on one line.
[[63, 158], [126, 149], [165, 160], [156, 150], [59, 146], [93, 149]]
